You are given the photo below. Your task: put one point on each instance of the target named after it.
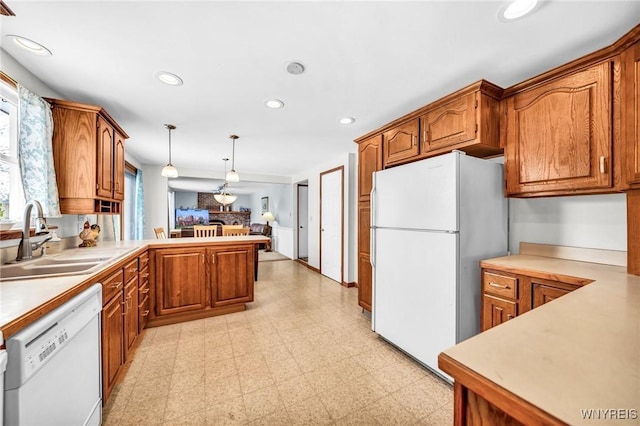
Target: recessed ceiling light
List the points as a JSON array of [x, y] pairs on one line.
[[169, 78], [30, 45], [295, 68], [516, 9], [274, 103], [347, 120]]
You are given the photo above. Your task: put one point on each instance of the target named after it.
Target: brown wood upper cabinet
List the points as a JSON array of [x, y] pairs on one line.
[[631, 113], [559, 135], [88, 153], [467, 120], [400, 143], [369, 161]]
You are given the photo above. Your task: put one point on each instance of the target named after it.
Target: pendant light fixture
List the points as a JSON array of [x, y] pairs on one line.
[[224, 197], [169, 170], [233, 176]]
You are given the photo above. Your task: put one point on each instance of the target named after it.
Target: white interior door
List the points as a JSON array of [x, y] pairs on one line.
[[303, 221], [331, 224]]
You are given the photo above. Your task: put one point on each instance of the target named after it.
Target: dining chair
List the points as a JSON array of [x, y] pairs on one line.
[[160, 233], [205, 230], [232, 227], [228, 232]]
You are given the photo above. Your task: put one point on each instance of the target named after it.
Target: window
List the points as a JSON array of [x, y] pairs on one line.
[[11, 192], [129, 220]]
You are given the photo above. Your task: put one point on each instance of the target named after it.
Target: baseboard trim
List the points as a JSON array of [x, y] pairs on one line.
[[349, 284], [307, 265]]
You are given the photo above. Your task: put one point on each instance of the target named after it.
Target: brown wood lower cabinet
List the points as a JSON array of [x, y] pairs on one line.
[[112, 343], [112, 331], [201, 281], [231, 275], [507, 294], [180, 280]]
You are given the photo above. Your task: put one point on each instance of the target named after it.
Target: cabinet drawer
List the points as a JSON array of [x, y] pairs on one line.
[[500, 285], [130, 270], [143, 261], [111, 286], [143, 277], [143, 290], [143, 313]]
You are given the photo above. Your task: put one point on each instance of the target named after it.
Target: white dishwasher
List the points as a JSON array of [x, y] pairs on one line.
[[53, 372]]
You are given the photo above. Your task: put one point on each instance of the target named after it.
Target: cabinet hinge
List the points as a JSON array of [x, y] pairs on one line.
[[476, 127], [476, 104]]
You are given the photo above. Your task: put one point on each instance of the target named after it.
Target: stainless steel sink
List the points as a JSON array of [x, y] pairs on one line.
[[18, 271], [69, 262], [48, 267]]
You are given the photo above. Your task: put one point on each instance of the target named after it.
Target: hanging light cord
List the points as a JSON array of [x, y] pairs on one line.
[[233, 158]]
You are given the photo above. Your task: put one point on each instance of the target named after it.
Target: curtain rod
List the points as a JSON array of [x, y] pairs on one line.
[[4, 77]]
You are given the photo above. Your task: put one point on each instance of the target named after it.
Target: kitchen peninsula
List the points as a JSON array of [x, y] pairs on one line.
[[145, 283], [572, 361]]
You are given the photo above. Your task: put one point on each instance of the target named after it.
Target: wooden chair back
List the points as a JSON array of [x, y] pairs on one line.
[[205, 230], [228, 232], [160, 234], [231, 227]]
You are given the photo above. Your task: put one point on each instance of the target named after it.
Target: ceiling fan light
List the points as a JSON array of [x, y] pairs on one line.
[[169, 171], [233, 176]]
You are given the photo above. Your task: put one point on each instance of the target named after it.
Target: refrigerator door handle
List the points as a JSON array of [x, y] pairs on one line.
[[372, 247], [372, 223]]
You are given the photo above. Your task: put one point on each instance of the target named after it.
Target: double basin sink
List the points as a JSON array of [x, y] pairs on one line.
[[70, 262]]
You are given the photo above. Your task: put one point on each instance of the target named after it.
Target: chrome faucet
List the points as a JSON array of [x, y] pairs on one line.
[[26, 247]]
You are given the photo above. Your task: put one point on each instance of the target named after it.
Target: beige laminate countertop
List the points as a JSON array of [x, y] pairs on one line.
[[24, 301], [578, 352]]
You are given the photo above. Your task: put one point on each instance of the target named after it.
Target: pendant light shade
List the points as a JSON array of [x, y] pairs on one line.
[[233, 176], [224, 197], [169, 170]]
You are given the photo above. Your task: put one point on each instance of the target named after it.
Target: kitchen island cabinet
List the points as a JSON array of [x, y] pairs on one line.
[[200, 281], [561, 362]]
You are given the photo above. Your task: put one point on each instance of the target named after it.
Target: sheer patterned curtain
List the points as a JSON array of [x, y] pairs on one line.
[[35, 151], [139, 228]]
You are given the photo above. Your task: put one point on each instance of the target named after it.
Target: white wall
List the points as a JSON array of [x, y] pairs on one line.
[[595, 221], [280, 204], [156, 202], [350, 208], [186, 199]]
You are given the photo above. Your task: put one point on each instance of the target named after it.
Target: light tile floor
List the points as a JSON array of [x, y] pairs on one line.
[[302, 354]]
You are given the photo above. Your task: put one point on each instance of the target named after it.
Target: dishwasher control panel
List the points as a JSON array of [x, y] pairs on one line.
[[46, 348]]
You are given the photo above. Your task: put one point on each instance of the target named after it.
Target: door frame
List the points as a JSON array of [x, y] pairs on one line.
[[298, 219], [326, 172]]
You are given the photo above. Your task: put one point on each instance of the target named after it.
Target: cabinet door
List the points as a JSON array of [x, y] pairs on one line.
[[631, 112], [118, 167], [496, 311], [545, 293], [401, 143], [231, 271], [450, 124], [130, 315], [364, 267], [105, 159], [180, 280], [369, 161], [558, 135], [365, 288], [112, 343]]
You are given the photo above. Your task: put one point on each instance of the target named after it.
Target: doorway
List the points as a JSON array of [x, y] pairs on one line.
[[331, 223], [303, 222]]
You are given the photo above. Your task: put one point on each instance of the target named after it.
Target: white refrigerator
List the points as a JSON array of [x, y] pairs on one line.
[[432, 221]]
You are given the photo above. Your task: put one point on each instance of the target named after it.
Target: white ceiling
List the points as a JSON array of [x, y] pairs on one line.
[[374, 61]]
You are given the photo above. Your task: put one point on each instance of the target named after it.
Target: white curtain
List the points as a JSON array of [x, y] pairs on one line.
[[35, 151]]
